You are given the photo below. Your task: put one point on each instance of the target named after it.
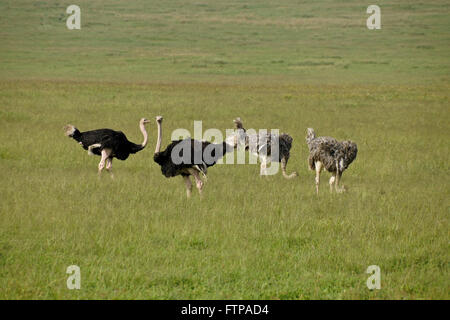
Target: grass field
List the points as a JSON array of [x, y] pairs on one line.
[[288, 65]]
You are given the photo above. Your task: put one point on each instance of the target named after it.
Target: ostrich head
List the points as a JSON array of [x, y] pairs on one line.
[[69, 130], [238, 123], [238, 137], [144, 121]]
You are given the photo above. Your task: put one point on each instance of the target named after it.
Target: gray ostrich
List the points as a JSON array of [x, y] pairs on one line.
[[263, 144], [328, 153]]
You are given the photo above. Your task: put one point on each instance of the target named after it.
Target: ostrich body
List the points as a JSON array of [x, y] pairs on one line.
[[262, 145], [328, 153], [202, 155], [107, 143]]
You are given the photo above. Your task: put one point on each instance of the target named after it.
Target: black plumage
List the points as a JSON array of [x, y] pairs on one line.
[[203, 154], [120, 146], [188, 157], [107, 143]]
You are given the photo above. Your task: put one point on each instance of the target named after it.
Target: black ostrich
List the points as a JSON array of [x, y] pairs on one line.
[[107, 143], [262, 146], [188, 157], [328, 153]]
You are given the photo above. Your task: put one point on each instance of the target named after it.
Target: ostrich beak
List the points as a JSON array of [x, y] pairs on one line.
[[146, 121]]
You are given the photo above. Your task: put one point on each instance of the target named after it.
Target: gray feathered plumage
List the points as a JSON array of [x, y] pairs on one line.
[[266, 144], [330, 152], [333, 155]]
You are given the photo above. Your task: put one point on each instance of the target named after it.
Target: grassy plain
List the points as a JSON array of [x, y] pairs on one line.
[[284, 64]]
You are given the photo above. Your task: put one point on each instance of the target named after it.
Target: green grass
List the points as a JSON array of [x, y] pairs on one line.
[[195, 41], [287, 65]]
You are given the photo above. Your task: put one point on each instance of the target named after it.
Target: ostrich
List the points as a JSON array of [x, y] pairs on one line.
[[199, 156], [262, 144], [328, 153], [107, 143]]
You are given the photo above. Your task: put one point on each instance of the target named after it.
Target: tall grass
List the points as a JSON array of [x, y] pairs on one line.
[[249, 237], [286, 65]]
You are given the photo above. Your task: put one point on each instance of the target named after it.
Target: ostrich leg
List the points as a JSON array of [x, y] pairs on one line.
[[105, 155], [101, 164], [109, 167], [188, 182], [263, 167], [332, 181], [198, 181], [318, 170], [338, 177], [336, 185]]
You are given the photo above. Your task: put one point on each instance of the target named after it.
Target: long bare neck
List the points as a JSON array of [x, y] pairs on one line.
[[158, 142], [227, 147], [144, 133], [311, 136]]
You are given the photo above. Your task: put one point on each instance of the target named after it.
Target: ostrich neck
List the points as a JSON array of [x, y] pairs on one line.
[[228, 147], [310, 139], [158, 142], [145, 134]]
